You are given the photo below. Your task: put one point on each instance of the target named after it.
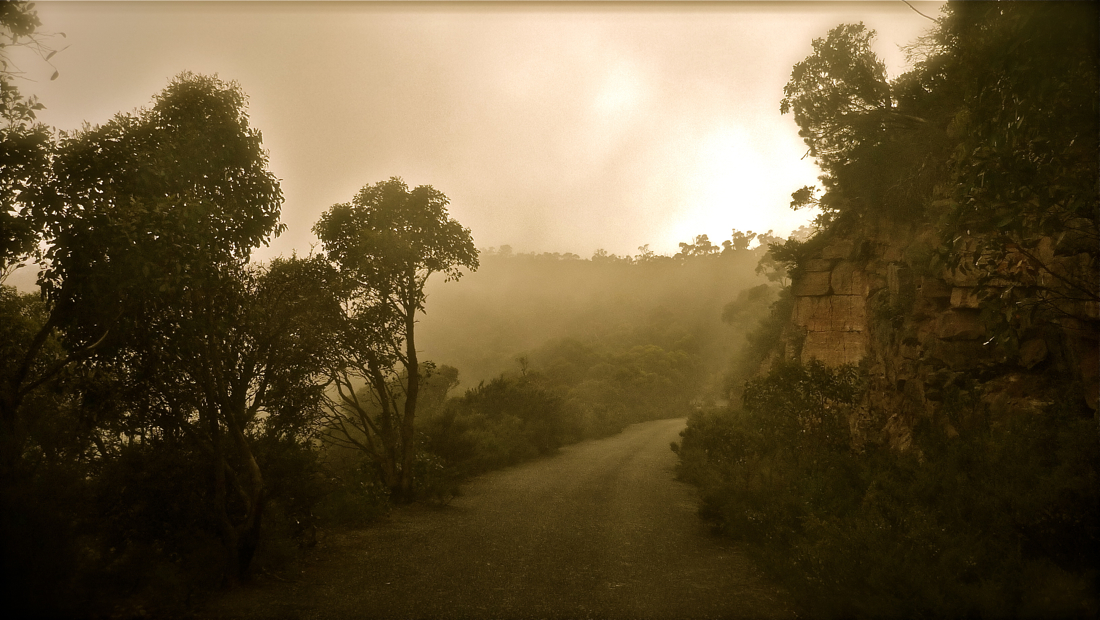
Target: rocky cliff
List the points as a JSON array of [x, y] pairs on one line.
[[921, 331]]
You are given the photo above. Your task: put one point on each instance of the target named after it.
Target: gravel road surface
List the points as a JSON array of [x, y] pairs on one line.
[[601, 530]]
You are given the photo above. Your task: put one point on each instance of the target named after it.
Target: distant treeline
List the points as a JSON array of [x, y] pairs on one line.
[[517, 303]]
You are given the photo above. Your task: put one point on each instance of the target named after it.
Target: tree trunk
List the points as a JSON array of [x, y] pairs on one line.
[[228, 533], [387, 459], [408, 435], [10, 443], [241, 538], [248, 530]]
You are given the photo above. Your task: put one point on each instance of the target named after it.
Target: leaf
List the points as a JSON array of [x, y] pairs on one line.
[[50, 55], [54, 76]]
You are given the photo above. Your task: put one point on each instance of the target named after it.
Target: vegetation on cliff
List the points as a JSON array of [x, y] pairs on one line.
[[923, 438]]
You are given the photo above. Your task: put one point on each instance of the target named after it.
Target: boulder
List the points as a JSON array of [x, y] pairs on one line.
[[959, 324], [1032, 352], [934, 288], [965, 297]]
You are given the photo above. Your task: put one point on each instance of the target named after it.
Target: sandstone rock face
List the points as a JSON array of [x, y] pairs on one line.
[[839, 248], [831, 309], [813, 283], [848, 279], [818, 264], [959, 324], [914, 326], [835, 348], [934, 288], [964, 297], [831, 313]]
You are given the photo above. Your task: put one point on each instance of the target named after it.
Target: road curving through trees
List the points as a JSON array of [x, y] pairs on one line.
[[601, 530]]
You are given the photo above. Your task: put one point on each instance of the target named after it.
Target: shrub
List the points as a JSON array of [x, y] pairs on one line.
[[998, 521], [355, 495], [500, 423]]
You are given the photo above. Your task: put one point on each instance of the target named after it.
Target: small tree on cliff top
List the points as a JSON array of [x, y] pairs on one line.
[[385, 244], [833, 92]]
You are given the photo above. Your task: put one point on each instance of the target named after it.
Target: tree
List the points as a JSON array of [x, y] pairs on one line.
[[240, 358], [874, 154], [385, 244], [738, 241], [834, 92], [700, 246], [150, 220], [24, 144], [138, 214], [1024, 174]]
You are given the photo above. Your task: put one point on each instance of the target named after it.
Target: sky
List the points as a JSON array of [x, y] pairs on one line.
[[552, 127]]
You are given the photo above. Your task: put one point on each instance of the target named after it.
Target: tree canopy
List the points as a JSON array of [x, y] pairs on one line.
[[833, 93], [385, 244], [25, 144]]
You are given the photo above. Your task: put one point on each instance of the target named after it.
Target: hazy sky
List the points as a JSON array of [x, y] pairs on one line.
[[552, 127]]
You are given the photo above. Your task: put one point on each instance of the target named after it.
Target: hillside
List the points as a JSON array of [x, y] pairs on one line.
[[920, 439], [515, 304]]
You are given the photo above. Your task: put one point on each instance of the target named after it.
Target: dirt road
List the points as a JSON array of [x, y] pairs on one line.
[[601, 530]]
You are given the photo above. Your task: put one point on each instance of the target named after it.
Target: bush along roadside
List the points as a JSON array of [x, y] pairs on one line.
[[997, 516]]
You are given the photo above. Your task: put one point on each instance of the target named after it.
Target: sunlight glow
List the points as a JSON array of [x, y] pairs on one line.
[[621, 91], [732, 187]]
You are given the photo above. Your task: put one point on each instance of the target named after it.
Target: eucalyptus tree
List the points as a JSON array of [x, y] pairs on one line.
[[149, 221], [237, 360], [385, 244], [867, 145], [25, 144], [135, 214], [832, 92]]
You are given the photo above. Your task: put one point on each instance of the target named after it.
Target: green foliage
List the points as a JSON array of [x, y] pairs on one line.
[[160, 377], [999, 520], [811, 403], [385, 245], [151, 202], [611, 388], [1024, 171], [990, 143], [25, 146], [503, 422], [389, 230], [748, 303], [833, 92], [356, 494], [991, 138], [700, 246]]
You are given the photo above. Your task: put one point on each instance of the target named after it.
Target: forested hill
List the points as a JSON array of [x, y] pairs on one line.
[[525, 305]]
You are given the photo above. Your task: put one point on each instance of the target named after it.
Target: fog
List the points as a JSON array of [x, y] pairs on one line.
[[516, 304], [455, 310], [551, 127]]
